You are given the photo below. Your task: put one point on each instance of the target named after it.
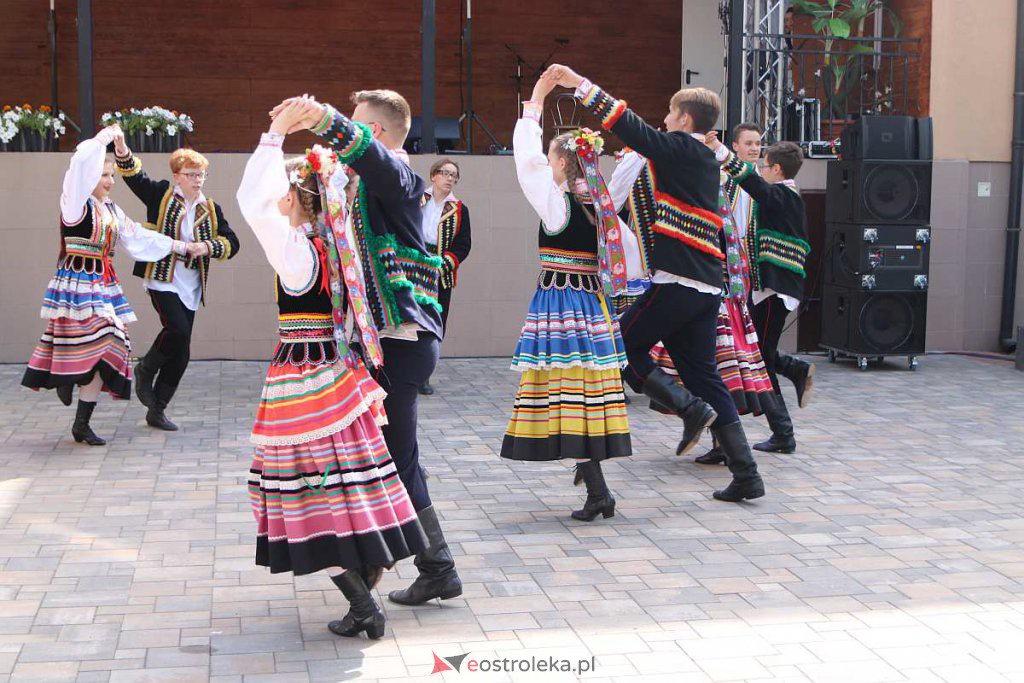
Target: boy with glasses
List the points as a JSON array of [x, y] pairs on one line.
[[176, 285]]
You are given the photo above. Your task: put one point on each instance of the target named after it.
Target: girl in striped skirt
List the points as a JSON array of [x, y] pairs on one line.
[[86, 340], [570, 402], [324, 491]]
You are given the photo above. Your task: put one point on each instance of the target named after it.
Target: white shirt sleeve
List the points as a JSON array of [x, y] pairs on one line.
[[264, 182], [625, 174], [535, 176], [140, 243], [82, 176]]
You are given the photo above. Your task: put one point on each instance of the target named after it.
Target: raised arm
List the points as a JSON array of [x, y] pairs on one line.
[[150, 192], [745, 174], [536, 179], [84, 174], [384, 175], [264, 183]]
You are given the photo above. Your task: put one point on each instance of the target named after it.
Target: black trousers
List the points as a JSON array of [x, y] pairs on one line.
[[171, 351], [685, 321], [444, 297], [769, 318], [407, 365]]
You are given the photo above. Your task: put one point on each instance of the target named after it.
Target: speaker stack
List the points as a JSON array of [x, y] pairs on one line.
[[878, 240]]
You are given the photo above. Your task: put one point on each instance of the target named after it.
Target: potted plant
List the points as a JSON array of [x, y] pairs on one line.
[[837, 21], [153, 129], [27, 129]]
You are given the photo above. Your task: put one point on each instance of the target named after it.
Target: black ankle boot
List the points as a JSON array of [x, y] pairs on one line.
[[426, 389], [663, 389], [800, 373], [782, 439], [599, 499], [81, 430], [155, 417], [746, 482], [438, 578], [364, 614], [65, 392]]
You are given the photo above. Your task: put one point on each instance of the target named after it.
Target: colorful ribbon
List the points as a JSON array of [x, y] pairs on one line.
[[611, 257], [341, 254]]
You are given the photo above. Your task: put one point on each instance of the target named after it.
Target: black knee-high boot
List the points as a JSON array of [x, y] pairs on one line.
[[800, 373], [438, 578], [155, 417], [746, 482], [364, 614], [782, 439], [599, 499], [81, 430], [696, 415]]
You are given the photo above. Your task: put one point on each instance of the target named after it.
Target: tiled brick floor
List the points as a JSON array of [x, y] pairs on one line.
[[890, 547]]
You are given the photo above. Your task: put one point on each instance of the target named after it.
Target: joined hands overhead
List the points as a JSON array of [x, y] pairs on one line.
[[295, 114]]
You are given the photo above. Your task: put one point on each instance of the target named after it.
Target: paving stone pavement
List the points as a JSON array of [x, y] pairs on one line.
[[890, 547]]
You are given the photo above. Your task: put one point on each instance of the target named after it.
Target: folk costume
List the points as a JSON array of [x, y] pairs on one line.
[[778, 249], [324, 490], [401, 281], [85, 308], [681, 307], [447, 233], [570, 402], [176, 285]]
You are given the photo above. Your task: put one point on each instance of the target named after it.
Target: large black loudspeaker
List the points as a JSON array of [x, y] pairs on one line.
[[895, 192], [893, 258], [873, 323], [878, 241], [902, 138]]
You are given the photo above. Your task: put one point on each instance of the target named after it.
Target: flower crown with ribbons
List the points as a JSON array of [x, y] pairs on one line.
[[318, 160], [582, 140]]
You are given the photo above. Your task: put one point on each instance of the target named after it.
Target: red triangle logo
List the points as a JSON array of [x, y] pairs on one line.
[[440, 665]]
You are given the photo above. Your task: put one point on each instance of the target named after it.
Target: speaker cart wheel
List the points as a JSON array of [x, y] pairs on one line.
[[862, 363], [912, 363], [831, 356]]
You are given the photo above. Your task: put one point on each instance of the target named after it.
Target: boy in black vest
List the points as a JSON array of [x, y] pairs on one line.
[[777, 249], [681, 307]]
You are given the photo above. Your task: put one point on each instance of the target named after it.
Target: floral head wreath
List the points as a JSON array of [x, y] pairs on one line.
[[583, 140], [319, 161]]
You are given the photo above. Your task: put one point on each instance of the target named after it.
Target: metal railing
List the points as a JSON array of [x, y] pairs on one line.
[[798, 90]]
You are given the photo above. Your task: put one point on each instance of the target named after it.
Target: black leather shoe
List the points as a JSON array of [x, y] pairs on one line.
[[713, 457], [426, 389], [155, 417], [741, 489], [144, 378], [777, 444], [604, 505]]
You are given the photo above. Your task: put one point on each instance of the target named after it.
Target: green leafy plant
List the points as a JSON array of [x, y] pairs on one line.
[[837, 21]]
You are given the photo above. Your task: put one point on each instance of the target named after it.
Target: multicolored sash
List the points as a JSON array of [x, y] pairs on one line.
[[611, 258], [344, 259], [736, 267]]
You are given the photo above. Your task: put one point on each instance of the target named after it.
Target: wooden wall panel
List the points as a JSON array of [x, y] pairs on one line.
[[226, 64]]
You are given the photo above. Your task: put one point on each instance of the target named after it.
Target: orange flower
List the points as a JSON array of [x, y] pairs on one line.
[[27, 107], [45, 108], [7, 107]]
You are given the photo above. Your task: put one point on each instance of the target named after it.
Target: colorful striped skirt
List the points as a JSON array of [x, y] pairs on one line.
[[85, 332], [323, 488], [570, 402], [738, 358]]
